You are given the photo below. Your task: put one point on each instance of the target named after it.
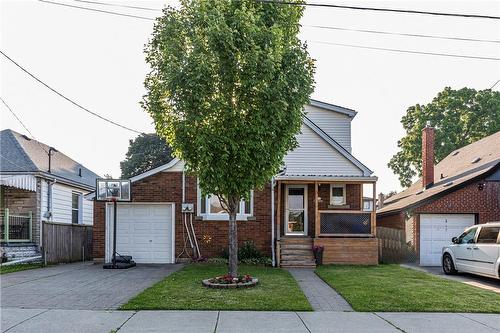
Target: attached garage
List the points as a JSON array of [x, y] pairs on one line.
[[436, 231], [145, 231]]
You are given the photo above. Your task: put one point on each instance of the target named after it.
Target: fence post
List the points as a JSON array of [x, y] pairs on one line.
[[6, 225], [30, 215]]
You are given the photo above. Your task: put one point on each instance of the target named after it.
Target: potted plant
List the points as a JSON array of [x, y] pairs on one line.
[[318, 254]]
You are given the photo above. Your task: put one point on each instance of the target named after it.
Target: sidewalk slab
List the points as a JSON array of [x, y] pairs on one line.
[[171, 321], [79, 321], [354, 322], [320, 295], [435, 323], [12, 317], [491, 320], [259, 321]]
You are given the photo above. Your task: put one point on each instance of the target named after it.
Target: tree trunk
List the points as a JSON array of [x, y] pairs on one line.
[[233, 239]]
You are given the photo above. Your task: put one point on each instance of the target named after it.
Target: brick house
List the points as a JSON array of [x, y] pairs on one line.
[[316, 199], [38, 184], [461, 190]]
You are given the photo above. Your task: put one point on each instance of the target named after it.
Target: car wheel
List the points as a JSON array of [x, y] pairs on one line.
[[448, 265]]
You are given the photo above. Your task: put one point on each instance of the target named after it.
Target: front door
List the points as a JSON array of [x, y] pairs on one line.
[[296, 210]]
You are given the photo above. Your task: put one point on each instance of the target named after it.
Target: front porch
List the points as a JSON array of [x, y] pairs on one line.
[[17, 210], [329, 213]]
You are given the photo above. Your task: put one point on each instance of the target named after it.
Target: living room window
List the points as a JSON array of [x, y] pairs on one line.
[[210, 208], [337, 194]]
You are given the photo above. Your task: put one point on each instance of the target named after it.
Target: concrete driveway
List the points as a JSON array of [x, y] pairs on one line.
[[470, 279], [82, 286]]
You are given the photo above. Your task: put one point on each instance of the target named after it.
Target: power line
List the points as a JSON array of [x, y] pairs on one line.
[[392, 10], [493, 86], [97, 10], [405, 51], [118, 5], [22, 124], [67, 98], [12, 162], [403, 34]]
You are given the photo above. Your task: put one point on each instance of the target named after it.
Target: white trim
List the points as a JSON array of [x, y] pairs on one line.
[[305, 232], [332, 186], [332, 107], [319, 178], [366, 172], [221, 216], [155, 170], [109, 233]]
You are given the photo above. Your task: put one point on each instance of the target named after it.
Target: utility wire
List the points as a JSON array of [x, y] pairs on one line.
[[405, 51], [493, 86], [67, 98], [22, 124], [12, 162], [392, 10], [98, 10], [403, 34], [118, 5]]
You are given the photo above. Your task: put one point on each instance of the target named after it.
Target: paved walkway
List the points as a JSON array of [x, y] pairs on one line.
[[470, 279], [321, 296], [81, 286], [86, 321]]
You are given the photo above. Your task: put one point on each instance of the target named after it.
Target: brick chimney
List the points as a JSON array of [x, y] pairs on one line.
[[427, 156]]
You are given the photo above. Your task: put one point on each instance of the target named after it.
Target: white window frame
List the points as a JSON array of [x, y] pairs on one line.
[[332, 186], [221, 216], [79, 209]]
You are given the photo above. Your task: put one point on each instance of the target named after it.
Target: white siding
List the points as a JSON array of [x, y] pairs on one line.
[[315, 156], [61, 205], [43, 199], [178, 167], [335, 124]]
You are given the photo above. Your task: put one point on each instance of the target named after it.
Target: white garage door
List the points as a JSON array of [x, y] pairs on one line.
[[144, 231], [436, 231]]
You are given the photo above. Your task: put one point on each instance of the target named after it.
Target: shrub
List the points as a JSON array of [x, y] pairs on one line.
[[249, 251]]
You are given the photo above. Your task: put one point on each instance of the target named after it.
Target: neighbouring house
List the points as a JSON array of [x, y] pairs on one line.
[[317, 199], [461, 190], [38, 184]]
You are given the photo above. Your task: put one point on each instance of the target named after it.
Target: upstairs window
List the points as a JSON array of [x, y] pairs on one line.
[[337, 194]]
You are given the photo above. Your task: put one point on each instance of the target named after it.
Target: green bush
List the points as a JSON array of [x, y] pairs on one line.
[[217, 260], [262, 261], [247, 251]]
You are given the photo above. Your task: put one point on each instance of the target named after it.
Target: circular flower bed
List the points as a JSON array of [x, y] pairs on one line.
[[227, 282]]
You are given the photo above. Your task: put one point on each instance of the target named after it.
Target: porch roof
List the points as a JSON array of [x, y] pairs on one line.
[[23, 182], [325, 178]]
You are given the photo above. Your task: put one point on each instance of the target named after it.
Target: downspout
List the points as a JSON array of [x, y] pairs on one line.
[[272, 223], [50, 183]]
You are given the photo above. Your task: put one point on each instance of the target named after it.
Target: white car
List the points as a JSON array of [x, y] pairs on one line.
[[476, 251]]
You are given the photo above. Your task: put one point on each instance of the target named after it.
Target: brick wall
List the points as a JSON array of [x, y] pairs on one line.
[[212, 236], [395, 221]]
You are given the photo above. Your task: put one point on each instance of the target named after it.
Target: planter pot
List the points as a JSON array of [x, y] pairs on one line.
[[319, 258]]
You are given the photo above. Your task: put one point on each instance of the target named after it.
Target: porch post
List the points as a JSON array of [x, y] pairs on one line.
[[278, 212], [30, 215], [317, 226], [374, 210], [6, 225]]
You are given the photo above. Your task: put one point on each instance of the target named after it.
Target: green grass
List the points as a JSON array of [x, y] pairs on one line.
[[18, 267], [277, 291], [397, 289]]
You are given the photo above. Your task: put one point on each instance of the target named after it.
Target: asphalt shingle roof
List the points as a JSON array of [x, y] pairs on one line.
[[18, 154], [458, 167]]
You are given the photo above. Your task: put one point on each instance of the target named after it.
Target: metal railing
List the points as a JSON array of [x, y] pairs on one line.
[[346, 223], [16, 228]]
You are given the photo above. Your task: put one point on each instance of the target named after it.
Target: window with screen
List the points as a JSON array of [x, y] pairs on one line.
[[75, 207]]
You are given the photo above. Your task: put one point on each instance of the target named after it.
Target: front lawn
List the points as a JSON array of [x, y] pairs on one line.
[[277, 291], [396, 289], [18, 267]]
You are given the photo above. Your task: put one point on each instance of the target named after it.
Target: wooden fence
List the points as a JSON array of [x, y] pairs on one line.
[[64, 243], [392, 246]]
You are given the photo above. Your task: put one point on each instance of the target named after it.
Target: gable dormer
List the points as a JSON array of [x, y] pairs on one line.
[[333, 120]]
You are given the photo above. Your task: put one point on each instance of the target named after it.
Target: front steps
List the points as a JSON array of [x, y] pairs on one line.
[[15, 251], [296, 252]]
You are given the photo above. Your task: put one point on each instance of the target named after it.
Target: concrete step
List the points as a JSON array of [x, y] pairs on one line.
[[19, 251], [293, 257], [297, 263], [296, 247], [298, 240], [286, 251]]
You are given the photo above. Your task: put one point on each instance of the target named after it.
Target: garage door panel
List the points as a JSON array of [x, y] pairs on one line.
[[144, 231], [436, 231]]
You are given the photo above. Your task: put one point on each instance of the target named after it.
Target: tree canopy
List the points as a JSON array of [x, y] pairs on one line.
[[145, 152], [227, 89], [460, 117]]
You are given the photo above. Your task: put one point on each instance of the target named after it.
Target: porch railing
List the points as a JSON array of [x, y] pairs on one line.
[[346, 223], [16, 228]]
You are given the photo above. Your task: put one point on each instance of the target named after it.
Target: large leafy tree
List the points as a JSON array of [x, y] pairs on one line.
[[460, 117], [228, 85], [145, 152]]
